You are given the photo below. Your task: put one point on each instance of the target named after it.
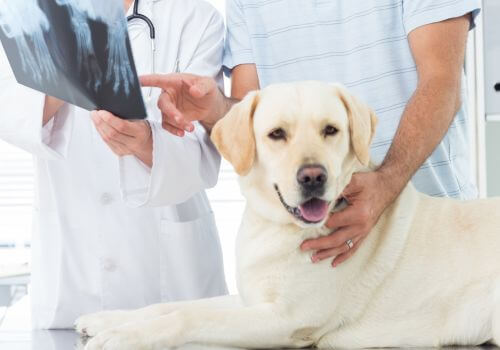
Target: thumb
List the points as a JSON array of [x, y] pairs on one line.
[[354, 185]]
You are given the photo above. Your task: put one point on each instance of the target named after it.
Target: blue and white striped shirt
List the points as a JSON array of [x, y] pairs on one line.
[[364, 45]]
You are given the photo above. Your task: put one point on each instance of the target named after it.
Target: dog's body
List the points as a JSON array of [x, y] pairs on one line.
[[426, 275], [418, 279]]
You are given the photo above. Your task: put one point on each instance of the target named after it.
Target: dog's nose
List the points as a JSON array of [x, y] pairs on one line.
[[312, 177]]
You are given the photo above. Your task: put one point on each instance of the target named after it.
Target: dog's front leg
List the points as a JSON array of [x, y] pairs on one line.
[[92, 324], [259, 326]]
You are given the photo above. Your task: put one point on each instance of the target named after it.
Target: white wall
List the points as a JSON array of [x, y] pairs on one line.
[[227, 203]]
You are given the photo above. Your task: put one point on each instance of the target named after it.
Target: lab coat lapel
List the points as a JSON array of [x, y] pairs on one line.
[[140, 42]]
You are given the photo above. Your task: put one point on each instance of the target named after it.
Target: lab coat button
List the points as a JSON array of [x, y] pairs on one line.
[[109, 266], [106, 198]]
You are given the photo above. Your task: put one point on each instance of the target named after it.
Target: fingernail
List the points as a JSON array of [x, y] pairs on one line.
[[314, 259]]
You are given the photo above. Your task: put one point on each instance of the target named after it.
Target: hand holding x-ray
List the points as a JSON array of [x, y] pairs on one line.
[[75, 50]]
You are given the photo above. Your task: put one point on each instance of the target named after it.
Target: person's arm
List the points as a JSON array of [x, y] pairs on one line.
[[244, 79], [51, 106], [438, 50], [31, 120]]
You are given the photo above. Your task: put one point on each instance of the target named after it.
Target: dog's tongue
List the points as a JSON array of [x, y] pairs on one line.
[[314, 210]]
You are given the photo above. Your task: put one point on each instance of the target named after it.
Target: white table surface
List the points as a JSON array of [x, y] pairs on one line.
[[15, 334]]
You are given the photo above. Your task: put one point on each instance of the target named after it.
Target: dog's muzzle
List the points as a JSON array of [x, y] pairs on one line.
[[312, 180], [312, 211]]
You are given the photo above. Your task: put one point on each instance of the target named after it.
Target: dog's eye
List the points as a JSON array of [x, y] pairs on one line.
[[330, 130], [277, 134]]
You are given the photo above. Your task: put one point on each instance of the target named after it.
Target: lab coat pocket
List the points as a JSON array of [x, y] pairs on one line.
[[191, 260]]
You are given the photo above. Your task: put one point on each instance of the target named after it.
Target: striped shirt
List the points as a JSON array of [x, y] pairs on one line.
[[364, 45]]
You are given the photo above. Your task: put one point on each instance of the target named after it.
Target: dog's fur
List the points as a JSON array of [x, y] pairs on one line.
[[427, 275]]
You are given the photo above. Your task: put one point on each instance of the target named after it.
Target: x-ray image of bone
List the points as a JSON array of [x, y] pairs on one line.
[[79, 12], [23, 20], [119, 67], [111, 13]]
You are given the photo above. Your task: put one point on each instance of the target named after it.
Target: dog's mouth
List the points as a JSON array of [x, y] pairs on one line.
[[312, 211]]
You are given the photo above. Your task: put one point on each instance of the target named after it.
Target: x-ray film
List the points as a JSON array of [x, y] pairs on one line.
[[75, 50]]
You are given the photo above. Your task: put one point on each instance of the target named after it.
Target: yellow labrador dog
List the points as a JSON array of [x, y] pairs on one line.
[[427, 275]]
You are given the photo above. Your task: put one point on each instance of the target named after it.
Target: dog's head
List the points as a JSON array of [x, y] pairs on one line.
[[295, 147]]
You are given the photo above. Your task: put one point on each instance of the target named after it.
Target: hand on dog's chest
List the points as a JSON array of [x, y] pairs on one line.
[[315, 232]]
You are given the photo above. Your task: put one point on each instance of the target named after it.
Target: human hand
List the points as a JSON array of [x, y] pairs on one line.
[[368, 195], [125, 137], [186, 98]]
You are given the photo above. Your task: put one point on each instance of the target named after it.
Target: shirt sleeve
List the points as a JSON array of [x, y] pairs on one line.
[[22, 114], [417, 13], [238, 46]]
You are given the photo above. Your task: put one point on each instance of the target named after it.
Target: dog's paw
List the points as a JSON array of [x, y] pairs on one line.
[[122, 338], [92, 324]]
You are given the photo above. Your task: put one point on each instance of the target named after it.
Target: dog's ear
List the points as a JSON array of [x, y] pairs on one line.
[[362, 124], [234, 137]]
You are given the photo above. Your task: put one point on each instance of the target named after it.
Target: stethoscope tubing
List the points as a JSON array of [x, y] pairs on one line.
[[136, 15], [152, 34]]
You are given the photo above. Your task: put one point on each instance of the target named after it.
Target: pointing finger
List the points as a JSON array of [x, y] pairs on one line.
[[159, 80], [165, 81]]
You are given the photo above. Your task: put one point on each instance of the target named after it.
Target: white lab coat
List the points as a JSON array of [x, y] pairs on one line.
[[91, 250]]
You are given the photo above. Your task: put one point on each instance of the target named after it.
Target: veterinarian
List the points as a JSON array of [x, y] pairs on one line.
[[404, 58], [90, 250]]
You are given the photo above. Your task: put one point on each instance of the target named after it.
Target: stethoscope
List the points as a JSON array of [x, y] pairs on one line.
[[152, 35]]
